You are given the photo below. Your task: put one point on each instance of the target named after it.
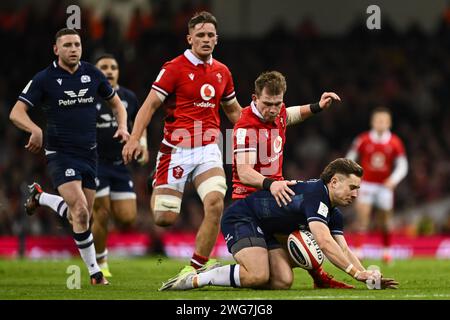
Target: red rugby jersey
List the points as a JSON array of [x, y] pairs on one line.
[[377, 155], [251, 133], [193, 92]]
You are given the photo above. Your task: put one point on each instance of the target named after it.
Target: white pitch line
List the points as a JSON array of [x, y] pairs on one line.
[[374, 297]]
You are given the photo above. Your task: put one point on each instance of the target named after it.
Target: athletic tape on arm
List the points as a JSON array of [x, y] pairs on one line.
[[293, 115]]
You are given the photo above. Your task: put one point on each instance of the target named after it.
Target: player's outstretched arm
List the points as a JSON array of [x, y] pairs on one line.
[[334, 252], [385, 283], [297, 114], [132, 149], [232, 110], [340, 239], [20, 118]]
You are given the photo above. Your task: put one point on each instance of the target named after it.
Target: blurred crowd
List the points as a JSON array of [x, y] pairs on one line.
[[407, 71]]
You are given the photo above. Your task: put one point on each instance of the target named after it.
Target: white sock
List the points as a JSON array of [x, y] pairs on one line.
[[54, 202], [225, 276], [85, 244], [102, 255]]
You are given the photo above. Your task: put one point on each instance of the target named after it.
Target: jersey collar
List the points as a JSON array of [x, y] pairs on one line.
[[256, 111], [384, 138], [327, 191], [194, 60], [56, 66]]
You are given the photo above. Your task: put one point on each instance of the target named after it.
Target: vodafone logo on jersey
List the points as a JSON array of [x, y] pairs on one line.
[[277, 144], [207, 92]]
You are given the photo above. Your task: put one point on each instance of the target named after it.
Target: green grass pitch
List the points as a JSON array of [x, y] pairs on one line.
[[140, 278]]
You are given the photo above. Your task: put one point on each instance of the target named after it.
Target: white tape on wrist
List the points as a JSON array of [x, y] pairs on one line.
[[349, 268]]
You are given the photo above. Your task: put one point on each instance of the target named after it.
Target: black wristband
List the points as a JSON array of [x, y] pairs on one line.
[[315, 107], [267, 183]]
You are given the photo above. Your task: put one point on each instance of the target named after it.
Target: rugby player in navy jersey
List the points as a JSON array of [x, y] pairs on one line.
[[66, 91], [251, 227], [115, 194]]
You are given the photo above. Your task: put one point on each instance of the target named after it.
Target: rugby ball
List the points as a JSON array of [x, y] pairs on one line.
[[304, 250]]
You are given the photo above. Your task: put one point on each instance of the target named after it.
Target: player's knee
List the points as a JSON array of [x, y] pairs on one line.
[[165, 218], [126, 219], [79, 212], [214, 208], [80, 215], [166, 209], [101, 215]]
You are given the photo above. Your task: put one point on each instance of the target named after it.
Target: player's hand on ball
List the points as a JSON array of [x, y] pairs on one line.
[[388, 283], [35, 142], [327, 99], [365, 275]]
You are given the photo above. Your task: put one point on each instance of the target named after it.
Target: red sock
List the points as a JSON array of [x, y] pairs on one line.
[[198, 261], [315, 273]]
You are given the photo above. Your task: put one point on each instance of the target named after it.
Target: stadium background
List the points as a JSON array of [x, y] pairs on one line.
[[319, 46]]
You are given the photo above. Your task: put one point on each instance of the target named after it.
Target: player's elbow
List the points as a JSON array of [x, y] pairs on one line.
[[13, 115], [17, 112]]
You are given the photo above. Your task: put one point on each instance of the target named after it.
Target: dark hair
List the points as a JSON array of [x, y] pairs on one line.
[[342, 166], [104, 56], [64, 32], [202, 17], [381, 110], [273, 81]]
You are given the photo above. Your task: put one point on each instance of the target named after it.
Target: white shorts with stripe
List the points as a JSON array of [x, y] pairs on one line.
[[376, 195], [175, 166]]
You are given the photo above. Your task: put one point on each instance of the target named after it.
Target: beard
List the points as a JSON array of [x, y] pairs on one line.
[[71, 63]]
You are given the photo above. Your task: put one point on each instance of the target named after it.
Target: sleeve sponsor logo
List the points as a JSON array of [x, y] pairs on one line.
[[323, 209], [240, 136]]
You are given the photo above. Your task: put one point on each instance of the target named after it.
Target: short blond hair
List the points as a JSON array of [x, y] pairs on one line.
[[273, 81]]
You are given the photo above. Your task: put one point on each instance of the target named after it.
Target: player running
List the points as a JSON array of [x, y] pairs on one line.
[[66, 90], [191, 87], [115, 196]]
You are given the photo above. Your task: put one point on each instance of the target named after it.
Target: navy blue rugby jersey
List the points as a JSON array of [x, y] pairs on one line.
[[310, 203], [68, 101], [110, 149]]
